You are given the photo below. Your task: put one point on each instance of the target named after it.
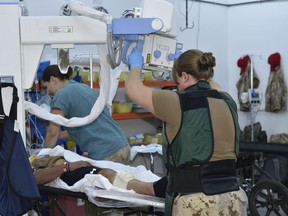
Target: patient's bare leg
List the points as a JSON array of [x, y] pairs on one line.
[[131, 184], [141, 187]]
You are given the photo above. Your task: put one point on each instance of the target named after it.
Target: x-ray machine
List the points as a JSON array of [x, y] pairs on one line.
[[23, 39]]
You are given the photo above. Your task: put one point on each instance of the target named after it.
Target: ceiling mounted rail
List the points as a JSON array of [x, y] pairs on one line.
[[238, 4]]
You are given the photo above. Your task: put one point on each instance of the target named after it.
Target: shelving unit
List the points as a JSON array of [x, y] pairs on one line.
[[133, 115], [147, 83]]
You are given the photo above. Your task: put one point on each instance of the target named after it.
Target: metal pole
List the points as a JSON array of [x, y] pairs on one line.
[[250, 96], [91, 70]]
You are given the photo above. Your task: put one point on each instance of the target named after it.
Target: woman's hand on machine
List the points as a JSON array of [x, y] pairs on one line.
[[135, 59]]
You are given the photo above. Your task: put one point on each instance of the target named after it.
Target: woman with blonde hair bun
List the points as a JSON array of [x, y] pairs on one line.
[[200, 136]]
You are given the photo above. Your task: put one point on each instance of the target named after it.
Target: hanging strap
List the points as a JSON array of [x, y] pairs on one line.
[[13, 110], [15, 99]]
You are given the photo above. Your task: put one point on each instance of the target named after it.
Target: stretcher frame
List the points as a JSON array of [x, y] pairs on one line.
[[55, 193]]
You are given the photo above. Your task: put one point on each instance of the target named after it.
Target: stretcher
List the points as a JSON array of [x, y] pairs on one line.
[[68, 203], [96, 191], [267, 196]]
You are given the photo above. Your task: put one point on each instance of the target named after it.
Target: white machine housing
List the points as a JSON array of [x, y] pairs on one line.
[[159, 48], [60, 32], [163, 10], [159, 52]]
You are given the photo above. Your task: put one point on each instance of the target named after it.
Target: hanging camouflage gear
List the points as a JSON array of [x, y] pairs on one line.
[[244, 83], [279, 138], [276, 91], [258, 134]]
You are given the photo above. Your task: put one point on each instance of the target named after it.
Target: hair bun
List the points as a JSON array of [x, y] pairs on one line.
[[207, 60]]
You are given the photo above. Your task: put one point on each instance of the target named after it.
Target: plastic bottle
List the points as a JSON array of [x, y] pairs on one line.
[[71, 145]]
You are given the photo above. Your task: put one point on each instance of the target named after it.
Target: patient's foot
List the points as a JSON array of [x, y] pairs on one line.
[[127, 181], [122, 178]]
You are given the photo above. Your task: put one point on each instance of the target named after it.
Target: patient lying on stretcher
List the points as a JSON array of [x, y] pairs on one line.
[[48, 168]]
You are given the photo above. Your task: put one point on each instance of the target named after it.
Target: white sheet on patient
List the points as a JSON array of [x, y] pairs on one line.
[[92, 184]]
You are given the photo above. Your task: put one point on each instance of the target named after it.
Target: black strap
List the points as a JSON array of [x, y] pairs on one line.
[[210, 178], [59, 191], [184, 179], [15, 99], [13, 109], [189, 102]]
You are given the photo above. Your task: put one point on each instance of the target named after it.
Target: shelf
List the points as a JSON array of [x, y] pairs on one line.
[[159, 83], [131, 115], [147, 83]]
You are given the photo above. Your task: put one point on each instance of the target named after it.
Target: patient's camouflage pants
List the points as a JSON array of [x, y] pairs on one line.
[[227, 204], [121, 156]]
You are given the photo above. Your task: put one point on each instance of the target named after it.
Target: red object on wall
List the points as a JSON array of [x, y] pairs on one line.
[[242, 63], [274, 61]]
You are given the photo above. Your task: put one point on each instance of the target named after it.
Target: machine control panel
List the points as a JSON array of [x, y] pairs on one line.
[[161, 51]]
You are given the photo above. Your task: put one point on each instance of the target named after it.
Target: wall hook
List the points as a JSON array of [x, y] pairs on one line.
[[187, 25]]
